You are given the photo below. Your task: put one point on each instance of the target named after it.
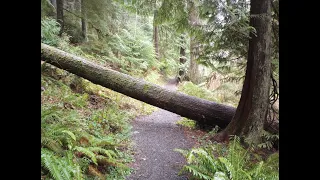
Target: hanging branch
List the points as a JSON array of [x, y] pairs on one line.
[[272, 113]]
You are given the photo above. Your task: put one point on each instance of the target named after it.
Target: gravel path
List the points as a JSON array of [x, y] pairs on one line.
[[156, 136]]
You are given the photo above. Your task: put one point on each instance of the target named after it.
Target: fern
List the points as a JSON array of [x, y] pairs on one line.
[[49, 31], [202, 164], [88, 153], [70, 134], [49, 162], [268, 140], [60, 167], [197, 172], [111, 154]]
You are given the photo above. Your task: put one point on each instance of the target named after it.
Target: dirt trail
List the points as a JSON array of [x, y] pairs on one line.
[[156, 136]]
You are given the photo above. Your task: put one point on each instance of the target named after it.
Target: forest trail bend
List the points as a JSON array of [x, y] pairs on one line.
[[155, 137]]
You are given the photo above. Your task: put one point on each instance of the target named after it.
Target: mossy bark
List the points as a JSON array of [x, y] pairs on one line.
[[251, 113], [204, 111]]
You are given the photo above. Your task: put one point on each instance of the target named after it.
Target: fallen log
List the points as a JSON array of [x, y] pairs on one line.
[[205, 112]]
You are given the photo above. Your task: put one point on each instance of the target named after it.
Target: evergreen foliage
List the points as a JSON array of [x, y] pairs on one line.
[[81, 139], [234, 163]]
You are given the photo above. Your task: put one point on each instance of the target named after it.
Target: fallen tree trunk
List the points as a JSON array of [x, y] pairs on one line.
[[205, 112]]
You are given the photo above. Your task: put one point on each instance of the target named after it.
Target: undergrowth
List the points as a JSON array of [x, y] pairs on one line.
[[187, 123], [85, 128], [231, 162], [224, 94]]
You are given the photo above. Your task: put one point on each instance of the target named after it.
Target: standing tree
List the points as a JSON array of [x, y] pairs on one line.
[[83, 21], [194, 45], [251, 112], [60, 19], [182, 59], [155, 35]]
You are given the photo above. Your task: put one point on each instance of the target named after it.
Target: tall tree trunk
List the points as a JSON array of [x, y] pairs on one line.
[[60, 19], [251, 112], [182, 59], [83, 21], [155, 36], [194, 67], [194, 73]]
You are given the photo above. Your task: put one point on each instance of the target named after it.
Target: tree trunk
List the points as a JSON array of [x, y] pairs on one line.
[[54, 3], [207, 113], [204, 111], [194, 67], [194, 74], [83, 22], [155, 36], [182, 60], [60, 19], [251, 112]]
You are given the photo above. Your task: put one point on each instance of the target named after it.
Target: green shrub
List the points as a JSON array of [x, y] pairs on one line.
[[225, 93], [194, 90], [49, 31], [77, 139], [187, 123], [234, 163]]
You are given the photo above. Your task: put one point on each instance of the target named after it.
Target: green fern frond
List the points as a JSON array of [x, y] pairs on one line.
[[109, 161], [54, 145], [108, 141], [256, 171], [111, 154], [49, 162], [88, 153], [70, 134], [182, 151], [61, 167], [227, 164], [196, 171]]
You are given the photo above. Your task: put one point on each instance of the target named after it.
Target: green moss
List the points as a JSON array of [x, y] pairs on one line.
[[187, 123], [146, 87]]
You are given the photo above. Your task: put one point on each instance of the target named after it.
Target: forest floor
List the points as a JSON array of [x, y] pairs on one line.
[[155, 137]]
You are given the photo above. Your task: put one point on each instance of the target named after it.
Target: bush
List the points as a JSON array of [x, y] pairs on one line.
[[49, 31], [234, 163]]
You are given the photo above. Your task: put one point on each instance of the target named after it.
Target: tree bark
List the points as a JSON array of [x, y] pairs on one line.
[[83, 21], [194, 73], [155, 36], [182, 60], [203, 111], [207, 113], [60, 19], [251, 112]]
